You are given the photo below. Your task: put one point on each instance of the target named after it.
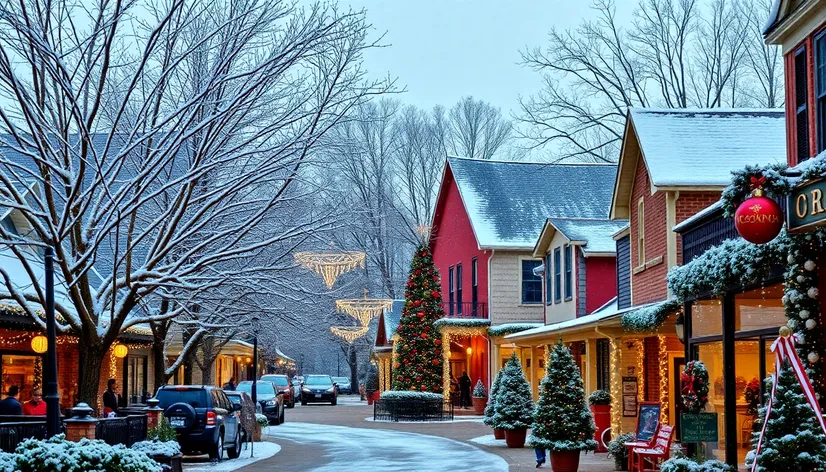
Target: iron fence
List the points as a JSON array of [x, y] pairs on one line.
[[13, 433], [126, 430], [395, 409]]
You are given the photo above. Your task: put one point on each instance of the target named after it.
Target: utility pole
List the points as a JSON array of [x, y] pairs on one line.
[[338, 363]]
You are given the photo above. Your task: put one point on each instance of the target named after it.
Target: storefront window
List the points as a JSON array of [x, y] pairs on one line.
[[747, 392], [711, 354], [759, 309], [706, 318], [19, 371], [136, 378]]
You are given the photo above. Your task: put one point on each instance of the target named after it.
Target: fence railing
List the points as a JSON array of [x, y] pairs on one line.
[[126, 430], [465, 310], [13, 433], [412, 410]]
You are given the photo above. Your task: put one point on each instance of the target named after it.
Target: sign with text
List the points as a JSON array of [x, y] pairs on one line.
[[629, 396], [698, 427], [806, 206]]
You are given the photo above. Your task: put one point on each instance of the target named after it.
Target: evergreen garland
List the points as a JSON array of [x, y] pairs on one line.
[[418, 348], [793, 440], [649, 318], [491, 418], [562, 420], [514, 402]]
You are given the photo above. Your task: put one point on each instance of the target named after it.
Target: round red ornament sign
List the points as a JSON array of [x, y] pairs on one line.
[[758, 219]]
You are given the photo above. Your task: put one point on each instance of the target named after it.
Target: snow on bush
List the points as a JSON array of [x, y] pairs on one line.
[[86, 455], [649, 318], [8, 462], [479, 390], [599, 397], [262, 419], [158, 448], [514, 407], [682, 464], [405, 395], [510, 328], [491, 418]]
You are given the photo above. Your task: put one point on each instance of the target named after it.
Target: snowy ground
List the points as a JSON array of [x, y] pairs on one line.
[[387, 450], [456, 419], [263, 450], [489, 440]]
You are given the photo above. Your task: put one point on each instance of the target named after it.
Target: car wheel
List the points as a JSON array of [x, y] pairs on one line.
[[334, 402], [216, 452], [291, 404], [235, 450], [303, 403]]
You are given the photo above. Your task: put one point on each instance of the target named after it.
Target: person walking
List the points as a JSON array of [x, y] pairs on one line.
[[230, 385], [110, 399], [464, 388], [540, 456], [10, 405], [36, 406]]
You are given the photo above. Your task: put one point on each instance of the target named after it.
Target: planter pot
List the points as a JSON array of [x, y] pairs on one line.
[[369, 399], [515, 437], [169, 464], [565, 461], [498, 433], [257, 432], [602, 418], [479, 405]]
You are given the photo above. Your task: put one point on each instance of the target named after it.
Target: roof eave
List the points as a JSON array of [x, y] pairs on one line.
[[620, 211], [599, 253]]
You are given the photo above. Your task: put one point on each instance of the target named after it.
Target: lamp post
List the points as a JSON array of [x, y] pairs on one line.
[[254, 371], [51, 396]]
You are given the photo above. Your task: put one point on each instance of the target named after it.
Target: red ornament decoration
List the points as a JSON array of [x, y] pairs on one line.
[[434, 294], [417, 303], [438, 342], [424, 387], [420, 314], [759, 218]]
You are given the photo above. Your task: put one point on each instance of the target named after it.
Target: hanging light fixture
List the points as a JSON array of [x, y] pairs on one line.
[[679, 327], [121, 351], [331, 265], [40, 344]]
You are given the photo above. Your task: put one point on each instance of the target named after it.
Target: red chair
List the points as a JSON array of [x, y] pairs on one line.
[[654, 455], [639, 444]]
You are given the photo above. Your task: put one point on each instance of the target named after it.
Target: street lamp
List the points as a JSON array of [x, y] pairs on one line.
[[254, 371]]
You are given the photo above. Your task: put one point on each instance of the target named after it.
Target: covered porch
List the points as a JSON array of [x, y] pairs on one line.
[[464, 350]]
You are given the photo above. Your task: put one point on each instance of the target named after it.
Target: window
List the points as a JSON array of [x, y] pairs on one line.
[[603, 365], [459, 288], [474, 283], [557, 275], [569, 272], [548, 291], [531, 283], [820, 89], [450, 290], [641, 232], [801, 105]]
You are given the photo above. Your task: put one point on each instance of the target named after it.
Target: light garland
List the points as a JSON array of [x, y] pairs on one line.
[[113, 364], [349, 333], [663, 379], [615, 357], [448, 333], [640, 347], [363, 309], [330, 266]]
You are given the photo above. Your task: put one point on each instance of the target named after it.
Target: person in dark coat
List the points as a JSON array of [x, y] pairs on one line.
[[110, 398], [10, 405], [230, 386], [464, 388]]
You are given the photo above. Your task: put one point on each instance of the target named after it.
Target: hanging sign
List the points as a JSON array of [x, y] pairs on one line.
[[805, 205], [698, 427], [629, 396]]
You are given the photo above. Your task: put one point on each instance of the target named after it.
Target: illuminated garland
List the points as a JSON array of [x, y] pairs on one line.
[[640, 347], [38, 373], [451, 329], [663, 379], [330, 266], [510, 328], [363, 309], [616, 386], [349, 333], [651, 317]]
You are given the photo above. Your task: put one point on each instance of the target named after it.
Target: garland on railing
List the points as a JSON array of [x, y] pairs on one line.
[[461, 322], [651, 317], [510, 328]]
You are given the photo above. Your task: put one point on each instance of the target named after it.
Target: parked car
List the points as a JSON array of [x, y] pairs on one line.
[[204, 418], [343, 385], [246, 414], [318, 389], [270, 399], [282, 383]]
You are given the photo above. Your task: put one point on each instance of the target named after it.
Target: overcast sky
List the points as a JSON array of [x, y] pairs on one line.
[[441, 50]]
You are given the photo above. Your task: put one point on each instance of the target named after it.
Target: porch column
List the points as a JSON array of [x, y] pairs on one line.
[[533, 377], [494, 362]]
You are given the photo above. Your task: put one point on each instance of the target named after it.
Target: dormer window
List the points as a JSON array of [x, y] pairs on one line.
[[801, 105], [820, 92]]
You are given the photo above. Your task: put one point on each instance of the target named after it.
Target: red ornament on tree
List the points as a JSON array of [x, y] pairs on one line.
[[417, 303], [758, 219], [438, 342]]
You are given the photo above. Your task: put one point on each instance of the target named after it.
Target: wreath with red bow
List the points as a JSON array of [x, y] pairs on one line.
[[694, 386]]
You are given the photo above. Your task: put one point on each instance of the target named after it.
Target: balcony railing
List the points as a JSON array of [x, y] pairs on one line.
[[465, 310]]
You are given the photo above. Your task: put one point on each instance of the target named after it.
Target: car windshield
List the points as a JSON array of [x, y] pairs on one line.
[[318, 380], [263, 388], [196, 398], [340, 380], [278, 380], [234, 398]]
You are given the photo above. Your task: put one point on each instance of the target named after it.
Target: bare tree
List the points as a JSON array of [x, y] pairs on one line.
[[477, 129], [675, 54], [125, 183]]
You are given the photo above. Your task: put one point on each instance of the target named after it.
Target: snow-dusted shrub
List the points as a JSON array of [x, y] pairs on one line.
[[163, 431], [514, 400], [58, 455], [683, 464], [411, 395], [491, 418], [262, 419], [479, 390], [618, 451], [8, 462], [599, 397], [371, 382], [158, 448], [510, 328]]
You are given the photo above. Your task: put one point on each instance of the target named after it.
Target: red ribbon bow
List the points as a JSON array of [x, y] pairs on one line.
[[757, 182]]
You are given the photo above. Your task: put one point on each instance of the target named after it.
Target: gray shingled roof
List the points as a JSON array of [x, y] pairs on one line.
[[597, 234], [392, 317], [508, 202]]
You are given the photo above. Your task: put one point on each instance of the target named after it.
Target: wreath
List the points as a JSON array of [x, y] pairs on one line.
[[694, 386]]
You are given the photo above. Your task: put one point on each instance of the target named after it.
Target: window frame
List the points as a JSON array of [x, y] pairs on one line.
[[641, 232], [474, 283], [801, 108], [557, 275], [820, 95], [450, 279], [459, 289], [568, 255], [548, 279], [522, 281]]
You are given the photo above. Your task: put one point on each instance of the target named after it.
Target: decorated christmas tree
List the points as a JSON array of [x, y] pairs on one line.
[[514, 403], [418, 349], [562, 420], [793, 440], [490, 410]]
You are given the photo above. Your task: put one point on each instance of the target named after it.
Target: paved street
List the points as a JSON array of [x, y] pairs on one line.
[[325, 438]]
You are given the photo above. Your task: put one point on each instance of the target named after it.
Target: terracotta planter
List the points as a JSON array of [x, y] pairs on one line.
[[515, 437], [370, 399], [256, 434], [498, 433], [602, 418], [479, 405], [565, 461]]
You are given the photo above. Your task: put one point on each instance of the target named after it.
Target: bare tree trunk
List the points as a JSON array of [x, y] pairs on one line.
[[89, 371], [352, 359]]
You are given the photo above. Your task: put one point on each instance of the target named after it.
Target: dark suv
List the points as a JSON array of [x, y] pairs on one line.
[[318, 388], [204, 418]]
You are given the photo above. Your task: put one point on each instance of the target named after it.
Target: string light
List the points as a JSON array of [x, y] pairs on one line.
[[663, 380], [640, 346], [330, 266], [364, 309], [448, 333], [615, 357], [349, 333]]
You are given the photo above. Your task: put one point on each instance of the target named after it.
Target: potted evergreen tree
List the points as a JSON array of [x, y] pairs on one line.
[[480, 397], [371, 387], [600, 402], [491, 418], [562, 421], [514, 407]]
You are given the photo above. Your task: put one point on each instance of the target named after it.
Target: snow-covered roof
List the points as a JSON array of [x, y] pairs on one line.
[[608, 313], [698, 216], [392, 317], [508, 202], [702, 147], [596, 236], [22, 283], [282, 355]]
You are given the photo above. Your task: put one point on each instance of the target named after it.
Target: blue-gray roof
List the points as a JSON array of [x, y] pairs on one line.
[[392, 317], [597, 234], [509, 202]]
